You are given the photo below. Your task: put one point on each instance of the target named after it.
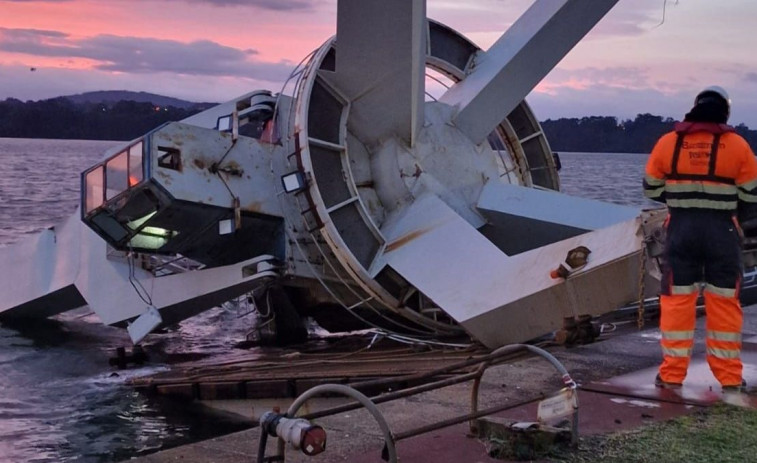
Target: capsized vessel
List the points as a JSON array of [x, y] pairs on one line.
[[354, 196]]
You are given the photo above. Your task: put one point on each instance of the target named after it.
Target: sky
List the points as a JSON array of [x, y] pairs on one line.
[[645, 56]]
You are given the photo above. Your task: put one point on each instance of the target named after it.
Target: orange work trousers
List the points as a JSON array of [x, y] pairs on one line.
[[701, 246]]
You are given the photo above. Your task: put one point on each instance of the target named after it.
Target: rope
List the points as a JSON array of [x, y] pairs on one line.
[[642, 274], [216, 169], [415, 341], [233, 144], [135, 283], [664, 7]]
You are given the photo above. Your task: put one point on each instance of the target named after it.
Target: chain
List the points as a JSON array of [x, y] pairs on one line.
[[642, 274]]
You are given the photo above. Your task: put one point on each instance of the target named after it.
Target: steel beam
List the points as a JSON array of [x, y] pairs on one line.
[[380, 66], [519, 60]]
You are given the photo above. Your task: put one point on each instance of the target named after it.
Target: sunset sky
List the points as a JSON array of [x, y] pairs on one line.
[[213, 50]]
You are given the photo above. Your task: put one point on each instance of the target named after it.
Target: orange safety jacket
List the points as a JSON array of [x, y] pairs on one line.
[[701, 171], [702, 165]]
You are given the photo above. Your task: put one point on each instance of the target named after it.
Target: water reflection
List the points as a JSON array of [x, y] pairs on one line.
[[61, 402]]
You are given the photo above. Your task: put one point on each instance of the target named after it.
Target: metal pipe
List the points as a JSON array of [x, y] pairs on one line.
[[414, 390], [262, 444], [483, 365], [567, 380], [457, 420], [393, 395]]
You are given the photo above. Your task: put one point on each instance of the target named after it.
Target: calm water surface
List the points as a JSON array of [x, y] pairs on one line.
[[610, 177], [59, 399]]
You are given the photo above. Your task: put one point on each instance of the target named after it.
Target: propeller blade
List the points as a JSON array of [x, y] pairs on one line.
[[521, 218], [380, 66], [519, 60], [502, 299]]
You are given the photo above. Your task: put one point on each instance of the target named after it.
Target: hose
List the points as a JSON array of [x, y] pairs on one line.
[[390, 450]]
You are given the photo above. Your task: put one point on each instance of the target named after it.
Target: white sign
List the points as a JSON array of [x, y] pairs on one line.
[[144, 324], [562, 404]]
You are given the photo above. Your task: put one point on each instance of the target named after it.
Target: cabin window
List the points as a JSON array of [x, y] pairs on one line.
[[113, 176], [93, 189], [135, 164], [116, 177]]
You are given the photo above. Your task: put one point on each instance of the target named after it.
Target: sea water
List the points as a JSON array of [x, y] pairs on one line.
[[61, 401]]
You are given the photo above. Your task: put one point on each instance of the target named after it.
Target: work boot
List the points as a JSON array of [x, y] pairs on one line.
[[658, 382], [736, 388]]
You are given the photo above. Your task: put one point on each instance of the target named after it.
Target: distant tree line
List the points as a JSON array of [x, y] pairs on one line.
[[608, 135], [61, 118], [125, 120]]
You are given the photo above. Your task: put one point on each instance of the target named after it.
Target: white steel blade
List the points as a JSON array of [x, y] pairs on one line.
[[551, 207], [519, 60], [521, 218], [443, 256], [380, 66], [502, 299]]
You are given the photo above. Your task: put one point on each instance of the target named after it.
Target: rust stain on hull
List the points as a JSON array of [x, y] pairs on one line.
[[403, 240], [254, 206]]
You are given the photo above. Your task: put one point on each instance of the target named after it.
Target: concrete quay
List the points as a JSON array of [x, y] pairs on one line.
[[616, 392]]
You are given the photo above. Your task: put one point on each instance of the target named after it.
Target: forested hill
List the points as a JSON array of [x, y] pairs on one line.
[[127, 115], [114, 96], [609, 135], [92, 116]]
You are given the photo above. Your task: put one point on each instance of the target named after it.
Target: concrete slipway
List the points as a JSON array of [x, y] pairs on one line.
[[616, 392]]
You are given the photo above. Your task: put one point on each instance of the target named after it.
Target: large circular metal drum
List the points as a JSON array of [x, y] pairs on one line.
[[361, 179]]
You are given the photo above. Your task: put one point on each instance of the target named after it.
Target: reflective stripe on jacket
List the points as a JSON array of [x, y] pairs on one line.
[[701, 165]]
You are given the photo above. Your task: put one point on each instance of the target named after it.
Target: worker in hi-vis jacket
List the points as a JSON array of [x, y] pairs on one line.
[[702, 170]]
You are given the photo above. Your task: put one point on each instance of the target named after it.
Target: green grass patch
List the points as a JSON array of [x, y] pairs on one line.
[[721, 433]]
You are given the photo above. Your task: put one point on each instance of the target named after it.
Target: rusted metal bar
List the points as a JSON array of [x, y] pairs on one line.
[[459, 419], [394, 395], [487, 359]]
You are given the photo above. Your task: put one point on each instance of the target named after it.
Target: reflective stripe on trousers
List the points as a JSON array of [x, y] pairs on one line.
[[723, 337], [724, 322], [677, 320]]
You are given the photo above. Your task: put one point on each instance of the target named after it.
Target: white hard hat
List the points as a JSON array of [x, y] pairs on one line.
[[714, 93], [717, 90]]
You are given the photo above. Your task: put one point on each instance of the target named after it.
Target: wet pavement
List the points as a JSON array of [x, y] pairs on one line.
[[699, 388], [616, 392]]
